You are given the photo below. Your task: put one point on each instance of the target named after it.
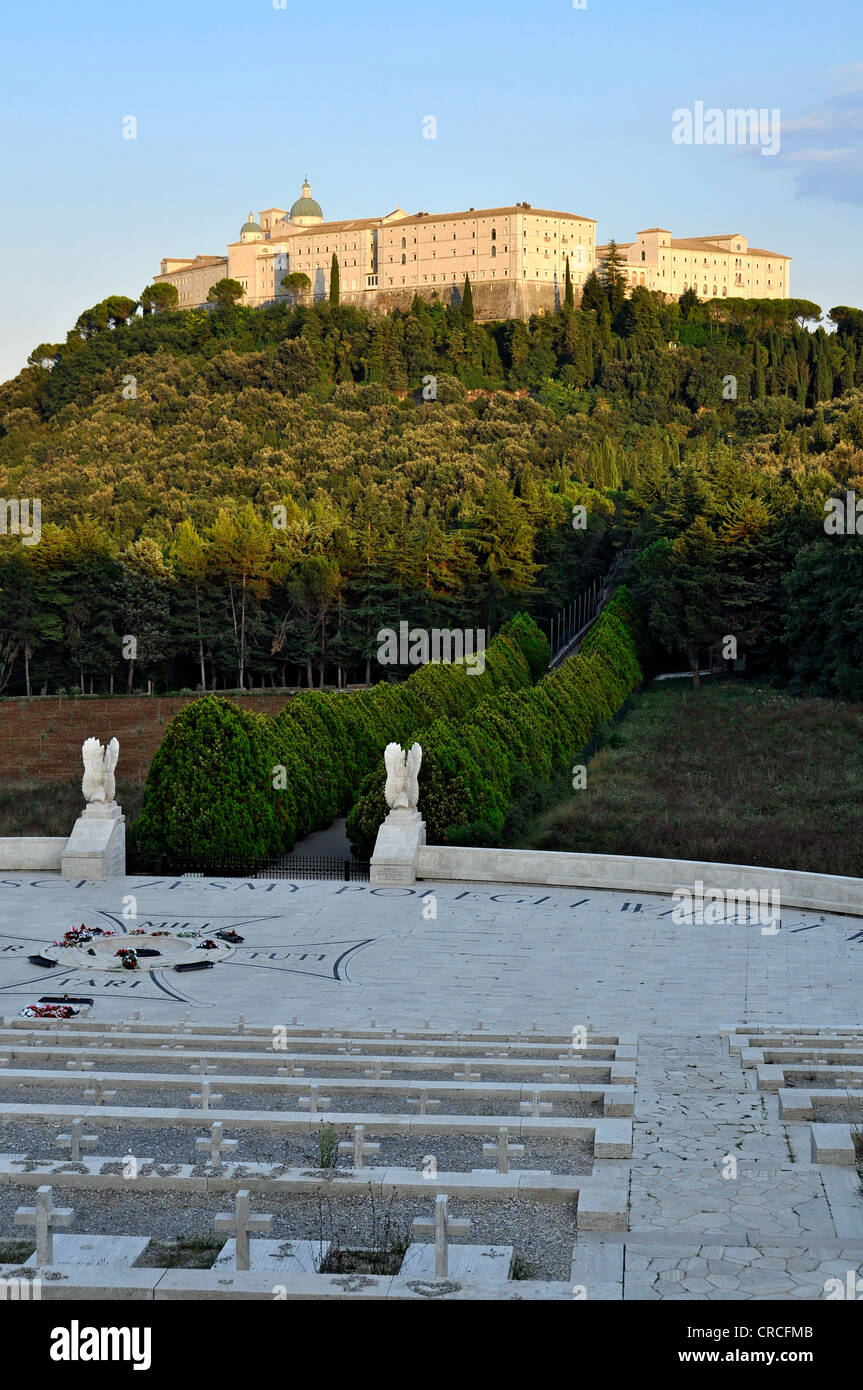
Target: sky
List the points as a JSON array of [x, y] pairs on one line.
[[573, 109]]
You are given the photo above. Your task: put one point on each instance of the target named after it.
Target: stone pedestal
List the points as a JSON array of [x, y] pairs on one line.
[[97, 846], [395, 854]]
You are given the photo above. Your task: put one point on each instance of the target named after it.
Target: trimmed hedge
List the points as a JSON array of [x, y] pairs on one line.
[[210, 789], [470, 764]]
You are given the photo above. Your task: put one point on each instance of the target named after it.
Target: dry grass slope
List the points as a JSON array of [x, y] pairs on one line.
[[733, 773]]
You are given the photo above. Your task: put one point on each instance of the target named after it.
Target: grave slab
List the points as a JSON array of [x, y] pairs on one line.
[[288, 1256], [114, 1252], [484, 1263]]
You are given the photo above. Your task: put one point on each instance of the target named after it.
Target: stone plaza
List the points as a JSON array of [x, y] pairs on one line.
[[560, 1093]]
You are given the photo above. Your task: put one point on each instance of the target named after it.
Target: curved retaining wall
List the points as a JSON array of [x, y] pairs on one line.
[[821, 892]]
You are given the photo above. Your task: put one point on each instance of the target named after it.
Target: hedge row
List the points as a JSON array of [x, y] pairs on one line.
[[471, 762], [215, 787]]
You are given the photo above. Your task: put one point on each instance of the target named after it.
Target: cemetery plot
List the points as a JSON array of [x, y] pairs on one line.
[[485, 1162]]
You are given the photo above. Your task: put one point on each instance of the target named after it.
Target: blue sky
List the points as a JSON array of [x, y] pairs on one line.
[[236, 100]]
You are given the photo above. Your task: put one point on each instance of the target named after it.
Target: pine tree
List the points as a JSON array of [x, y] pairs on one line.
[[592, 296], [467, 300], [568, 298], [334, 280]]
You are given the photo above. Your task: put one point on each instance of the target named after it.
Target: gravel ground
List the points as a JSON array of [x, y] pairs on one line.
[[541, 1233], [453, 1153], [827, 1114], [794, 1082], [577, 1107]]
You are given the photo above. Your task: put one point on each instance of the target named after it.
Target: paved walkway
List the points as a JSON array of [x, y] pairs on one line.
[[724, 1202]]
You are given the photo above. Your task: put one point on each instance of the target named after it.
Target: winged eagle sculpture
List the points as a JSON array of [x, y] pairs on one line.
[[403, 770], [99, 763]]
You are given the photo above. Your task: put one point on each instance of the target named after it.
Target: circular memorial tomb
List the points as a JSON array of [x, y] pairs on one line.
[[152, 951]]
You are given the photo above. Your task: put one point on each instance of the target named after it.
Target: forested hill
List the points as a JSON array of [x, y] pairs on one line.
[[253, 493]]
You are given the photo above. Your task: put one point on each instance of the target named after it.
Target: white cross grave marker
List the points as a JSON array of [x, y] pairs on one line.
[[313, 1100], [535, 1106], [202, 1066], [205, 1095], [377, 1072], [358, 1147], [465, 1074], [75, 1141], [290, 1070], [423, 1102], [556, 1074], [44, 1216], [442, 1227], [216, 1143], [503, 1148], [79, 1066], [243, 1225], [97, 1093]]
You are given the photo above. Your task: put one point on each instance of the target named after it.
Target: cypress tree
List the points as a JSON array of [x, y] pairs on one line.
[[568, 299], [334, 280], [467, 300]]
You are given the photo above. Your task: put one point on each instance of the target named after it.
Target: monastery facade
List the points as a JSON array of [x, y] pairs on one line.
[[515, 257], [713, 266]]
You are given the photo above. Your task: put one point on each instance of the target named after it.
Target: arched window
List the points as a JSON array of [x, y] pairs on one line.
[[643, 256], [494, 251], [494, 233], [404, 242], [642, 277], [404, 259]]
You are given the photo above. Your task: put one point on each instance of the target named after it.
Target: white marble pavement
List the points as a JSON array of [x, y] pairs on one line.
[[336, 954]]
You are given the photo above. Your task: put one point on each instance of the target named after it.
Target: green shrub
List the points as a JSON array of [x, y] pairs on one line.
[[225, 782], [474, 768]]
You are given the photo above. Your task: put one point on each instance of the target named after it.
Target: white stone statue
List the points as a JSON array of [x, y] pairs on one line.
[[403, 770], [99, 763]]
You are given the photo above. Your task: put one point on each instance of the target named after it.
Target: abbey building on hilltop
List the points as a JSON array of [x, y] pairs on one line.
[[515, 256]]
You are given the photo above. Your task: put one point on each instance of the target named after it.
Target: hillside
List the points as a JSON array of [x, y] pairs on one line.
[[252, 494]]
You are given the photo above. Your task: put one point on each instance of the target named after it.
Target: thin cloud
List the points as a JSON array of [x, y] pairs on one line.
[[823, 147]]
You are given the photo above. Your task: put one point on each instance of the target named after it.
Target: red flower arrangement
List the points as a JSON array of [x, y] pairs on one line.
[[79, 936], [48, 1011], [208, 945]]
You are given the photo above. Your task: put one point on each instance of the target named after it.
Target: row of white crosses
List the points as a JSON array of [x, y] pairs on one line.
[[44, 1216]]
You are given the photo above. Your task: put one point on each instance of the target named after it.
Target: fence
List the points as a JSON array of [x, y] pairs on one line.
[[289, 866]]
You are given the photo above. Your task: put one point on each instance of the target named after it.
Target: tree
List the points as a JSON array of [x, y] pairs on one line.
[[120, 309], [568, 297], [334, 280], [158, 298], [688, 302], [297, 285], [592, 295], [46, 355], [467, 301], [226, 293], [612, 278]]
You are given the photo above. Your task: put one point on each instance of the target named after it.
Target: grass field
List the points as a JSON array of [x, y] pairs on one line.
[[40, 751], [732, 773]]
